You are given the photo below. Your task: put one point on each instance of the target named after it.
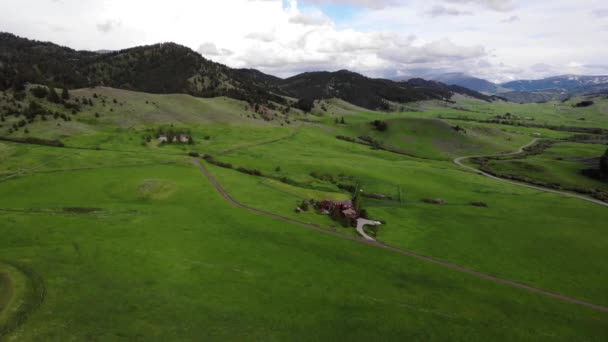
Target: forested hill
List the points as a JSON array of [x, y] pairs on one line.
[[172, 68]]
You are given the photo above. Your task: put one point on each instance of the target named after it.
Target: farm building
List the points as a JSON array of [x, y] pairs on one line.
[[343, 208]]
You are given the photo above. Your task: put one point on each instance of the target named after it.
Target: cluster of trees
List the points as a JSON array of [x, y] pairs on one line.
[[35, 141], [562, 128], [604, 166], [305, 105], [253, 172], [583, 104], [380, 125], [210, 159]]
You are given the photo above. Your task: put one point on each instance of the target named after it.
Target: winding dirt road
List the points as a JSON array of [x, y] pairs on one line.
[[377, 244], [459, 162]]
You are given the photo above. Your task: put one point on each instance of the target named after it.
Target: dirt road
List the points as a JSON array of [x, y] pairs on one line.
[[459, 162]]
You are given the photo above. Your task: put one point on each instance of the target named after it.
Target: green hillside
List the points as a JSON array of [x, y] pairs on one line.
[[119, 221]]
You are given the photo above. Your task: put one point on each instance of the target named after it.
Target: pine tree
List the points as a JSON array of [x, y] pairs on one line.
[[53, 96], [65, 94], [604, 166]]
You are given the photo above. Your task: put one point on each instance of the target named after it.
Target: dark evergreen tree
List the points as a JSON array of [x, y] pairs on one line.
[[604, 166], [40, 92], [53, 96], [65, 94]]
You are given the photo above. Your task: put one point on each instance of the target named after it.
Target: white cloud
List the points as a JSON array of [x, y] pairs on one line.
[[379, 38], [439, 10], [209, 49], [497, 5], [108, 25], [511, 19]]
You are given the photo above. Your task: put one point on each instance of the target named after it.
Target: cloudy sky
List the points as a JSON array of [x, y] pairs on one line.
[[499, 40]]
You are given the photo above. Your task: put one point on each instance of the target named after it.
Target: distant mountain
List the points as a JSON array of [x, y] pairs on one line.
[[533, 97], [358, 89], [421, 83], [172, 68], [566, 83], [469, 82]]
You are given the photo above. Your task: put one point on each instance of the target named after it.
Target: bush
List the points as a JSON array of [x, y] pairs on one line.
[[252, 172], [305, 105], [53, 96], [19, 95], [380, 125], [210, 159], [584, 104], [40, 92], [436, 201], [604, 166]]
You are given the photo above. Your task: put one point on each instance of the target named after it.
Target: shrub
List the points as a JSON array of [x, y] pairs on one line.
[[19, 95], [53, 96], [40, 92], [210, 159], [380, 125], [584, 104], [604, 166], [305, 105], [252, 172], [436, 201]]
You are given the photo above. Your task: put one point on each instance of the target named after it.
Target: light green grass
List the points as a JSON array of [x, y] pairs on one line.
[[165, 257], [192, 267], [562, 164]]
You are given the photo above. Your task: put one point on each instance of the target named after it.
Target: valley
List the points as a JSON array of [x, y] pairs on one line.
[[152, 194], [109, 189]]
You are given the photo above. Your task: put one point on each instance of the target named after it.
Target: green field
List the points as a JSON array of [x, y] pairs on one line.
[[126, 239], [563, 164]]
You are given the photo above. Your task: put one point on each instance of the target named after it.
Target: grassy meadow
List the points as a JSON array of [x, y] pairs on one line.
[[114, 237]]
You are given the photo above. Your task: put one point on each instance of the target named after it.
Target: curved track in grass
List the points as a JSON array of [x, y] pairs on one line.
[[377, 244], [31, 301], [459, 162]]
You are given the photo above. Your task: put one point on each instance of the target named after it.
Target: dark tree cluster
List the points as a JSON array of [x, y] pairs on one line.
[[380, 125], [604, 166], [583, 104], [305, 105]]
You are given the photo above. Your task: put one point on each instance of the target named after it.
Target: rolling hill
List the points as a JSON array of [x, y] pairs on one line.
[[169, 68]]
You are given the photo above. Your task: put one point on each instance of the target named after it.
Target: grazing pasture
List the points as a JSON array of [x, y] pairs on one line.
[[116, 237]]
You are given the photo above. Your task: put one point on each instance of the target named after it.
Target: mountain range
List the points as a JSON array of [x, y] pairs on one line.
[[542, 90], [172, 68]]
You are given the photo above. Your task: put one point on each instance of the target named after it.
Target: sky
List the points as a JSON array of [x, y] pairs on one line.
[[499, 40]]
